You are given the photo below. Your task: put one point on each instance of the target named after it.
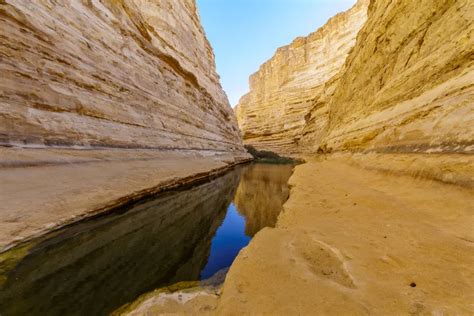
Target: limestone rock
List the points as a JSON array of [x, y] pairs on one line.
[[103, 102], [111, 73], [356, 242], [408, 83], [282, 94]]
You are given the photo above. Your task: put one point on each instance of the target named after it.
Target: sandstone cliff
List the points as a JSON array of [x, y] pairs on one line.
[[111, 73], [282, 94], [406, 86]]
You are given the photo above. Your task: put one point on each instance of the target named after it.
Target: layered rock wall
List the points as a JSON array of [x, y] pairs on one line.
[[110, 73], [406, 86], [284, 91]]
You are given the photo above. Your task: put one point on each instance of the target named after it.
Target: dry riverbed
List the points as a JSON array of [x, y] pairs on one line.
[[354, 241]]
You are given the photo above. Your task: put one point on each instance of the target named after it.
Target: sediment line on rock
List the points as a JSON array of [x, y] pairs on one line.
[[126, 201]]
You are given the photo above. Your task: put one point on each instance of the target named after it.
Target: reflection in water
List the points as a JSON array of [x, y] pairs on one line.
[[229, 239], [96, 266], [262, 190]]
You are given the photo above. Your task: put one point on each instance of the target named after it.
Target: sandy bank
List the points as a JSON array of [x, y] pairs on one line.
[[44, 189], [353, 241]]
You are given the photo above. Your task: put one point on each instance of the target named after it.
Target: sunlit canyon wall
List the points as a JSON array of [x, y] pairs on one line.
[[405, 86]]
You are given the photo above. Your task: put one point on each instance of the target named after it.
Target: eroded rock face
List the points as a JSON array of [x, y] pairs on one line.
[[408, 83], [285, 90], [113, 73], [406, 86]]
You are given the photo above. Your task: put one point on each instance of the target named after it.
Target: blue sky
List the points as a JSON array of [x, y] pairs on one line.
[[246, 33]]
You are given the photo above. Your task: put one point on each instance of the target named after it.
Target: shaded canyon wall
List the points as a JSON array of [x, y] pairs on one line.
[[406, 86], [110, 73]]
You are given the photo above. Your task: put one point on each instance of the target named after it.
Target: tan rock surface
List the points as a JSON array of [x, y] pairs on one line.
[[375, 233], [352, 241], [127, 73], [283, 92], [192, 301], [408, 83], [457, 169]]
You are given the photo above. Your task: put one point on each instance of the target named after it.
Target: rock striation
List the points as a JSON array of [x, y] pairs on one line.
[[408, 85], [405, 86], [112, 73], [284, 91]]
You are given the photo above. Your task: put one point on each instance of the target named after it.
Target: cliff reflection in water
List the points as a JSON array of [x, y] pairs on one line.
[[94, 267], [262, 191]]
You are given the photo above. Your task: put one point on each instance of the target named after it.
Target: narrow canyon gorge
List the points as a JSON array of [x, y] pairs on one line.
[[379, 102], [106, 103], [381, 222], [288, 94]]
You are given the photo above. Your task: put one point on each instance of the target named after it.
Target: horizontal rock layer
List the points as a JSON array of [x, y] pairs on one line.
[[283, 92], [406, 86], [113, 73]]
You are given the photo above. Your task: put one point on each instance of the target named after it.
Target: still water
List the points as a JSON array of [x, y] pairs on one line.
[[96, 266]]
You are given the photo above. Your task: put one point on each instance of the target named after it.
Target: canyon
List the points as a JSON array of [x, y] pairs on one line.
[[287, 88], [106, 103], [85, 74], [381, 222], [394, 88]]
